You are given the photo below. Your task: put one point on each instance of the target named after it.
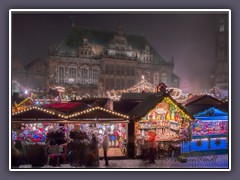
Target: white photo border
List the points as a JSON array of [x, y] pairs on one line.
[[118, 11]]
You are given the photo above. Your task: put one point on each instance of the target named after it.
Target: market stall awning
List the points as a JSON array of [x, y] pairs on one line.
[[66, 108]]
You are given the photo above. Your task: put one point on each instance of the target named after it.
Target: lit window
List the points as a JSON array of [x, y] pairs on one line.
[[221, 28], [164, 77], [84, 75], [72, 75], [95, 75], [156, 78], [61, 74]]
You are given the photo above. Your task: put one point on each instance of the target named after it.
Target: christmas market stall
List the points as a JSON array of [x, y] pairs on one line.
[[210, 127], [210, 130], [30, 129], [169, 121], [88, 116], [94, 115], [100, 121]]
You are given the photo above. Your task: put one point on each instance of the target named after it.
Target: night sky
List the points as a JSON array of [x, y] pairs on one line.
[[189, 38]]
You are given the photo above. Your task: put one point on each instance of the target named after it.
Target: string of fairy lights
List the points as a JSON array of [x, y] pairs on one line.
[[182, 113], [72, 115], [143, 85]]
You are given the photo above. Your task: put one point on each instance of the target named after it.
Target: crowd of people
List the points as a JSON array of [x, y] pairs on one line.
[[80, 150]]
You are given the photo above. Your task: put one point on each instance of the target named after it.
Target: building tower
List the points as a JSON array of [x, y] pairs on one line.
[[221, 78]]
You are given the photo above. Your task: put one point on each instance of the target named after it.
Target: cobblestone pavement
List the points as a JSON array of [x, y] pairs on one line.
[[215, 161]]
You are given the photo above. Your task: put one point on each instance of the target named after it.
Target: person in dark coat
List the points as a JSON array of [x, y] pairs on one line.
[[83, 149], [15, 157], [22, 153], [93, 156], [105, 148]]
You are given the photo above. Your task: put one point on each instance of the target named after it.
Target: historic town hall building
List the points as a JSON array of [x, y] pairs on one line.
[[93, 61]]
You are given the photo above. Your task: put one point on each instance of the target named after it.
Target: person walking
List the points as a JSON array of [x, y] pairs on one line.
[[94, 151], [152, 146], [105, 148]]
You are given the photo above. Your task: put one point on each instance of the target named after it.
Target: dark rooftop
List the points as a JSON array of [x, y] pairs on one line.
[[125, 107], [75, 37], [135, 96], [203, 100], [94, 101], [149, 103]]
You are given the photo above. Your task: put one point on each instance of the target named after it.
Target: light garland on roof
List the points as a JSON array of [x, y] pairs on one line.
[[168, 100], [98, 108], [72, 115], [143, 86], [34, 108]]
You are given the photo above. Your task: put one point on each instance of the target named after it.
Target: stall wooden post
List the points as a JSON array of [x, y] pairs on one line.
[[209, 143]]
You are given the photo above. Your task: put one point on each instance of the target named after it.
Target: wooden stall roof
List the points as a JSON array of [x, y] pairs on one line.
[[77, 113], [97, 113], [125, 106], [35, 114], [200, 103], [135, 96], [203, 100], [93, 101], [212, 113], [150, 102]]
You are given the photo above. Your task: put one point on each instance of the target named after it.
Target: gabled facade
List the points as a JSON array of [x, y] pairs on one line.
[[161, 114], [96, 61]]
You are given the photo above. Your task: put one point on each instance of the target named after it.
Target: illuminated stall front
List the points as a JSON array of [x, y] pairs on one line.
[[166, 118], [102, 121], [210, 130], [32, 124]]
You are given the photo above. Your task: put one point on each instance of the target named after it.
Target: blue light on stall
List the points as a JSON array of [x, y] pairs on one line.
[[215, 118], [218, 143], [212, 114], [199, 144]]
